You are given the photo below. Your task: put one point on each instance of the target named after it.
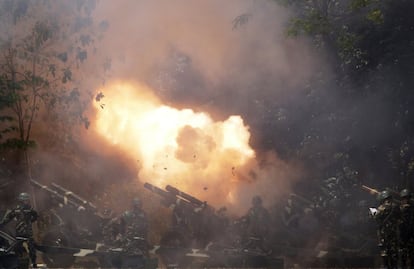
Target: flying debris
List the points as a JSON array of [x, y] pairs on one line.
[[241, 20], [99, 96]]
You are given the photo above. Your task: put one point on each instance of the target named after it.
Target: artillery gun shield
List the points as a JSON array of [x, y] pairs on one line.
[[173, 248], [57, 238]]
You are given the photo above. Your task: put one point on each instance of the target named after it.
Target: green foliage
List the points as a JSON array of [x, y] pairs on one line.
[[62, 56], [15, 143], [334, 25], [348, 52], [67, 75], [358, 4], [39, 65], [82, 55], [369, 44], [376, 16], [313, 23]]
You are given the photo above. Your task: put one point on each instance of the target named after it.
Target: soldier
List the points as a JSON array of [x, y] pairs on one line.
[[257, 224], [406, 229], [219, 225], [223, 221], [111, 230], [387, 217], [134, 229], [24, 215]]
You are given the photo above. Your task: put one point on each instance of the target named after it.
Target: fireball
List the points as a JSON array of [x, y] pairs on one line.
[[186, 149]]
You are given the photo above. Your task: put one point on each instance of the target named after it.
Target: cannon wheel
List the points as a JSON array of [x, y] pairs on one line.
[[59, 239]]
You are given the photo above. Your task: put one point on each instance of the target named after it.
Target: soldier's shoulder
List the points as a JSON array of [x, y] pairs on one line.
[[127, 213]]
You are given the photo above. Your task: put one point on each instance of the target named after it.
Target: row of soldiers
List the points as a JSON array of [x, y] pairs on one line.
[[395, 220], [24, 215], [129, 230], [199, 226]]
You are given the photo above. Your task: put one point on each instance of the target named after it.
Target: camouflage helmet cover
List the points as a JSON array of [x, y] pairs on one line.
[[23, 197], [257, 200], [385, 194], [136, 202], [405, 193]]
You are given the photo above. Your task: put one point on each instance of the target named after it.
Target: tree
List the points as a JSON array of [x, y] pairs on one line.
[[43, 45], [335, 26]]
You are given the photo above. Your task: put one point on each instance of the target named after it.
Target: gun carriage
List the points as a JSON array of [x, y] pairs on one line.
[[72, 227], [199, 236]]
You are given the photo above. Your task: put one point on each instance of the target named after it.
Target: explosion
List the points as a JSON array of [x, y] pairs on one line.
[[180, 147]]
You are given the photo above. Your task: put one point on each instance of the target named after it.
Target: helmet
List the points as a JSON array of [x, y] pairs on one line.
[[384, 195], [136, 202], [405, 193], [23, 197], [257, 200], [221, 210]]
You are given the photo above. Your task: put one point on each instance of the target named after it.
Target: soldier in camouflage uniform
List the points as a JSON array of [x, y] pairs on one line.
[[24, 215], [387, 218], [258, 225], [111, 231], [134, 229], [406, 229]]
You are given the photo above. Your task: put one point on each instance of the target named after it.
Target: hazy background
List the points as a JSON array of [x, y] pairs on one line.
[[309, 114]]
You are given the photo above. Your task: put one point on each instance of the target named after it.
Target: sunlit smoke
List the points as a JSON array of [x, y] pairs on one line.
[[183, 148]]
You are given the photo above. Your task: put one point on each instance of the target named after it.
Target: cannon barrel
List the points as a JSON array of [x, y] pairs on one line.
[[76, 198], [395, 195], [173, 197], [62, 199], [169, 198], [370, 190], [376, 191], [194, 201], [157, 190], [184, 195]]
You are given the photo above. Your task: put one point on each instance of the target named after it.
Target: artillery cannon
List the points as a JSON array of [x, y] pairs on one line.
[[194, 221], [191, 219], [8, 257], [67, 220], [201, 235], [73, 227]]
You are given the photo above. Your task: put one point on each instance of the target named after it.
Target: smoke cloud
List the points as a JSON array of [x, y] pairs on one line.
[[224, 58]]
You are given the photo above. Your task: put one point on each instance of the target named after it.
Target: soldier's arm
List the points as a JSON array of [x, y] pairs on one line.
[[145, 221], [34, 215], [122, 224], [10, 214]]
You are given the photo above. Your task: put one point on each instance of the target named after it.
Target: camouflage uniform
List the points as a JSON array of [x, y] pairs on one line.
[[258, 224], [406, 229], [387, 217], [111, 233], [24, 215], [134, 229]]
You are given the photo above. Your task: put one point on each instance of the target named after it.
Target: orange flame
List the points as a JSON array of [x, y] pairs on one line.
[[183, 148]]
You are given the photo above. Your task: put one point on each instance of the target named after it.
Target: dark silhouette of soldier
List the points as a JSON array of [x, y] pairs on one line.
[[257, 225], [387, 217], [406, 229], [134, 229], [24, 215]]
